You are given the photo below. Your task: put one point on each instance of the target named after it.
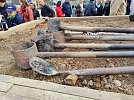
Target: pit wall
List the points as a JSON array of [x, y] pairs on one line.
[[32, 24]]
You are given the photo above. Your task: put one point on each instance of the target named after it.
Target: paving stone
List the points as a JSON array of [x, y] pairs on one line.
[[7, 96], [4, 87], [76, 91], [42, 94]]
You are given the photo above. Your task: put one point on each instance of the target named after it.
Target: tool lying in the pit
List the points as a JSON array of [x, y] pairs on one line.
[[97, 29], [47, 43], [58, 31], [43, 67], [22, 52]]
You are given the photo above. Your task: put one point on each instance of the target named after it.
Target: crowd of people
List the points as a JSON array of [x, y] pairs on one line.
[[26, 11]]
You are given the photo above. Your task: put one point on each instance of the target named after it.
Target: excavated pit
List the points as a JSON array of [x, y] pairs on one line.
[[114, 83]]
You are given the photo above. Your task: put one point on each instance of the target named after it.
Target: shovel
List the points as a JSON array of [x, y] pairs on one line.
[[43, 67]]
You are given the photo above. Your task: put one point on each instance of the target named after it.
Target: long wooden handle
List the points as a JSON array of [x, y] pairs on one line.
[[98, 29], [92, 45], [117, 54], [109, 38], [103, 71]]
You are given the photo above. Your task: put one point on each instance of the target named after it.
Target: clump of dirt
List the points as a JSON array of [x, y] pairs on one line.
[[114, 83]]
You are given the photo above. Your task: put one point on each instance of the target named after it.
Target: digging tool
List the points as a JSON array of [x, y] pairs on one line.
[[103, 54], [97, 29], [108, 38], [93, 46], [22, 52], [98, 34], [43, 67]]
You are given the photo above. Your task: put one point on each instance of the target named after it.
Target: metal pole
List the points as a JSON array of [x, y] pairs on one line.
[[109, 38], [115, 54], [98, 29], [97, 46], [103, 71]]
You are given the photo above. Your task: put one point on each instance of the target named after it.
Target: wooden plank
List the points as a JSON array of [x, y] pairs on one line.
[[4, 87], [43, 94]]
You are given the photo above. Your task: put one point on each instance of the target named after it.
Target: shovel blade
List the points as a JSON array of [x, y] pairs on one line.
[[42, 66]]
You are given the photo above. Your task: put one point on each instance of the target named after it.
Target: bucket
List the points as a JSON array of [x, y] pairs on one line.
[[22, 52]]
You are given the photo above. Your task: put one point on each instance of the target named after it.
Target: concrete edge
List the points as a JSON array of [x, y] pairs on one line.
[[76, 91], [89, 18]]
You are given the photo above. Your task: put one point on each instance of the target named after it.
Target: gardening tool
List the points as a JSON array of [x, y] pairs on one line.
[[93, 46], [97, 29], [100, 54], [22, 52], [108, 38], [43, 67], [69, 33]]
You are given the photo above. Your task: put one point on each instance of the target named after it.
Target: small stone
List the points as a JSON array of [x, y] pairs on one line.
[[84, 82], [120, 75], [71, 62], [111, 87], [97, 85], [121, 89], [81, 77], [108, 60], [117, 83], [107, 86], [30, 32], [105, 80], [127, 75], [71, 79], [111, 65], [110, 80], [90, 83], [80, 84], [63, 66], [96, 80], [103, 83], [111, 77]]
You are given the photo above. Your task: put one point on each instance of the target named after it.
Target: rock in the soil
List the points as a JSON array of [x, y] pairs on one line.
[[107, 86], [97, 85], [62, 66], [105, 80], [84, 82], [111, 77], [90, 83], [81, 77], [117, 83], [121, 89], [111, 65], [108, 60], [71, 79], [120, 76], [96, 80], [110, 80]]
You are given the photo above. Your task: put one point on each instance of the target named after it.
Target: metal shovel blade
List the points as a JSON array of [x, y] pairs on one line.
[[41, 66]]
